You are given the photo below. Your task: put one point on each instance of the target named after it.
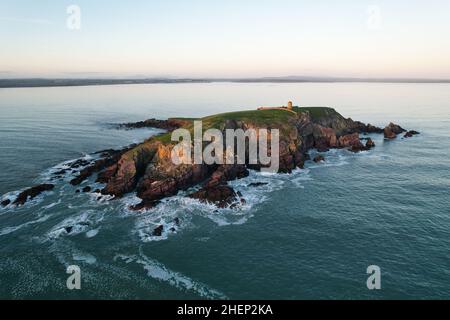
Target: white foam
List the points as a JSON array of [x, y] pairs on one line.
[[9, 230], [159, 272], [333, 158], [84, 257], [77, 224], [185, 208], [51, 205], [92, 233]]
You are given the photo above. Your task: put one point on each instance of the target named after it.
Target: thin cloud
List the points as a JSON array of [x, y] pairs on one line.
[[26, 20]]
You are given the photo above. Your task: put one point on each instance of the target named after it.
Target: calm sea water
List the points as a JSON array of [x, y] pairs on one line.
[[308, 235]]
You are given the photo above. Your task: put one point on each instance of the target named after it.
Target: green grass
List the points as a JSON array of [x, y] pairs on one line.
[[262, 118], [317, 112], [259, 117]]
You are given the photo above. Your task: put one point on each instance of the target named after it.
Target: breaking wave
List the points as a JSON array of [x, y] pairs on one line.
[[159, 272]]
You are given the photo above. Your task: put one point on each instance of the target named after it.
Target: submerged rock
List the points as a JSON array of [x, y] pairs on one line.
[[79, 163], [319, 158], [370, 144], [32, 193], [257, 184], [6, 202], [87, 189], [223, 195], [144, 204], [68, 229], [158, 231], [410, 133]]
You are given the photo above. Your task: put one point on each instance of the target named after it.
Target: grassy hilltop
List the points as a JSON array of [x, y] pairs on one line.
[[260, 118]]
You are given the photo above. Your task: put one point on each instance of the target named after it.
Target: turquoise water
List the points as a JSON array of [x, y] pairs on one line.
[[308, 235]]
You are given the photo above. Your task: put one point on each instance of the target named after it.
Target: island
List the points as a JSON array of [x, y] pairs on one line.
[[148, 170]]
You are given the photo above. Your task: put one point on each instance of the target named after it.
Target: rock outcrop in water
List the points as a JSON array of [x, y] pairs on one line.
[[31, 193], [169, 124], [392, 130], [410, 134], [148, 170]]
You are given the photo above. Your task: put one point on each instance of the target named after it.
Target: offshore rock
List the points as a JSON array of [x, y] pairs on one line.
[[31, 193], [392, 130]]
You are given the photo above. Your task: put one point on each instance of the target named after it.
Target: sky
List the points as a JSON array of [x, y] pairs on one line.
[[225, 38]]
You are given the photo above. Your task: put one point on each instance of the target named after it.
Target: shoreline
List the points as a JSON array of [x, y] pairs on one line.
[[81, 82]]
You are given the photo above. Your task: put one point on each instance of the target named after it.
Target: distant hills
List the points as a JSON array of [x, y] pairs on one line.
[[62, 82]]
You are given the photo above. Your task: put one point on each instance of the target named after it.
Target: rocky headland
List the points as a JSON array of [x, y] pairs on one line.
[[147, 168]]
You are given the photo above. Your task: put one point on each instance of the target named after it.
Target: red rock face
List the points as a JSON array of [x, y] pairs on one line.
[[226, 173], [149, 170], [107, 174], [349, 140], [389, 134], [222, 195], [392, 130], [324, 138]]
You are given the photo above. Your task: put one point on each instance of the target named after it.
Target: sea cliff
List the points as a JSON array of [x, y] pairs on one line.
[[148, 170]]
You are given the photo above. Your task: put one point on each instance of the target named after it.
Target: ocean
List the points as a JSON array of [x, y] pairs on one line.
[[306, 235]]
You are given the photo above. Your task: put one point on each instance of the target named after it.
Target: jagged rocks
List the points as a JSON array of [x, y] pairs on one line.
[[60, 172], [257, 184], [410, 134], [157, 232], [324, 138], [349, 140], [32, 193], [392, 130], [79, 163], [372, 129], [370, 144], [144, 204], [148, 169], [319, 158], [169, 124], [226, 173], [389, 134], [222, 195], [111, 159], [107, 174]]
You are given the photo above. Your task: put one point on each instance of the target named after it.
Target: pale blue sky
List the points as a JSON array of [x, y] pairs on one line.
[[218, 38]]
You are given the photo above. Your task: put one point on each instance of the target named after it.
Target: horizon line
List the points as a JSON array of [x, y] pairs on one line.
[[24, 82]]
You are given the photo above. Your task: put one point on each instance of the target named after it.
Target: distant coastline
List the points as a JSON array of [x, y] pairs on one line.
[[72, 82]]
